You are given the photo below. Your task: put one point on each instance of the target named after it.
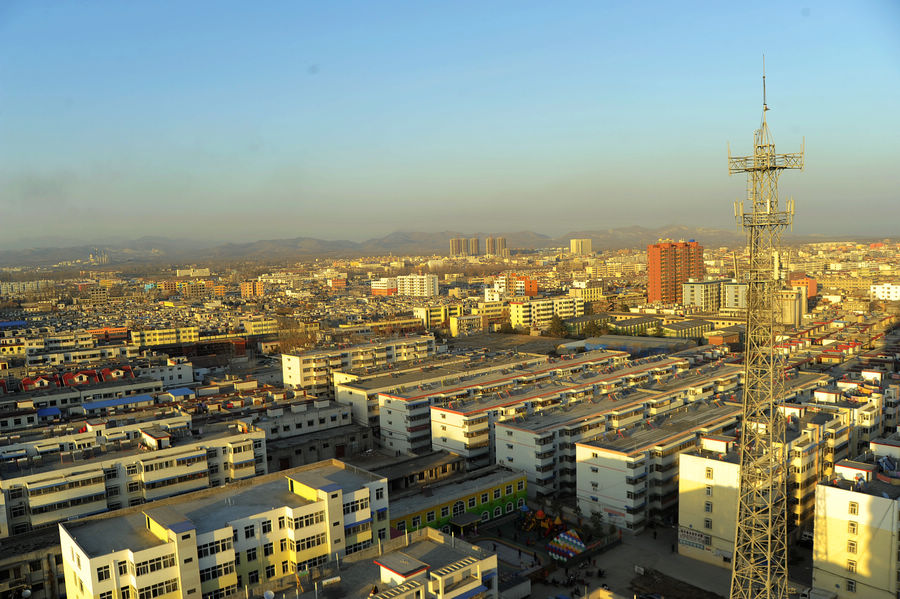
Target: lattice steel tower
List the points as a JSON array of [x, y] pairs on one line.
[[760, 552]]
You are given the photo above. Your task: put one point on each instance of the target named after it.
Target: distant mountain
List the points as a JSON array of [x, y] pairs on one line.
[[160, 249]]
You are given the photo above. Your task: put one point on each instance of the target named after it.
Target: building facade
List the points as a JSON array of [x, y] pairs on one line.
[[669, 265]]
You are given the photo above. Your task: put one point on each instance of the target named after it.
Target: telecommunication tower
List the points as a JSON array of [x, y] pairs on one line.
[[760, 552]]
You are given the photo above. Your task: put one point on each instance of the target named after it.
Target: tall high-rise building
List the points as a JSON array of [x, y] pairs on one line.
[[500, 246], [490, 246], [581, 247], [473, 246], [252, 289], [459, 247], [669, 265]]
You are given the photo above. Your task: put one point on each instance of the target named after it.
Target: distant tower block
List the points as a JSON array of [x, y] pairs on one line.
[[473, 246], [759, 570]]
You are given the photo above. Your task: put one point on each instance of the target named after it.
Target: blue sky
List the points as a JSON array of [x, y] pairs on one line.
[[253, 120]]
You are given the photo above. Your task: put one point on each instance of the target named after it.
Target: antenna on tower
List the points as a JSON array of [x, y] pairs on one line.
[[765, 108]]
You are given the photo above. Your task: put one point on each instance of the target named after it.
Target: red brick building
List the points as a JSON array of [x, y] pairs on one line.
[[669, 264]]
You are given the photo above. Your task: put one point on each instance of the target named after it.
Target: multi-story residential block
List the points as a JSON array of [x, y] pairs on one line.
[[669, 265], [417, 285], [457, 504], [362, 393], [885, 292], [437, 315], [709, 477], [384, 286], [734, 297], [209, 546], [537, 313], [580, 247], [632, 476], [312, 370], [857, 516], [170, 371], [251, 289], [407, 420], [259, 325], [706, 295], [67, 476], [463, 326], [169, 336], [92, 355], [543, 444]]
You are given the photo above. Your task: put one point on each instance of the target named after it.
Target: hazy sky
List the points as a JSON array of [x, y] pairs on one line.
[[248, 120]]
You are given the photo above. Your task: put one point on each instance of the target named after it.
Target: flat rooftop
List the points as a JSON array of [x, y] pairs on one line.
[[390, 466], [456, 371], [577, 412], [667, 428], [491, 379], [450, 489], [331, 476]]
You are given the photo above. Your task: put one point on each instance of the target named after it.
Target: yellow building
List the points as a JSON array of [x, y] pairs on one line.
[[209, 545], [857, 518], [486, 494], [152, 337], [437, 315]]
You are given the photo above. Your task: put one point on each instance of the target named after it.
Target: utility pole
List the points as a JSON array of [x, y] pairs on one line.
[[759, 569]]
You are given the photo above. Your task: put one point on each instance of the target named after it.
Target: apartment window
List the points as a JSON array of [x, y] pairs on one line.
[[851, 566], [707, 523], [283, 544], [379, 493], [103, 573], [268, 549], [852, 527], [496, 493], [106, 595], [471, 502], [429, 517], [851, 586], [445, 511], [253, 577], [709, 473], [280, 522], [854, 510], [708, 491], [251, 554], [125, 592], [707, 507], [416, 522], [851, 546], [134, 487], [266, 526], [484, 498], [284, 567], [123, 568], [249, 531], [270, 571]]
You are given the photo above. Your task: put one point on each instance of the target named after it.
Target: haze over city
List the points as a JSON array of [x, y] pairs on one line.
[[349, 121]]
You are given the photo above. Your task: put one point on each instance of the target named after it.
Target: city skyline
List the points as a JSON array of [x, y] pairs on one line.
[[351, 123]]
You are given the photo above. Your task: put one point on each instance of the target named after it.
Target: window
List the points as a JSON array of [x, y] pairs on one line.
[[851, 566], [283, 544], [379, 493], [485, 516], [509, 489], [280, 522], [270, 571], [708, 491], [284, 567], [268, 549], [520, 486], [484, 498], [707, 507], [106, 595], [253, 577], [854, 510], [498, 512], [496, 493], [152, 565], [103, 573], [416, 522], [266, 526], [429, 517], [123, 568], [134, 487], [251, 554], [709, 473], [125, 592], [851, 546], [445, 511], [851, 527], [249, 531], [510, 507], [851, 586], [707, 523], [471, 502]]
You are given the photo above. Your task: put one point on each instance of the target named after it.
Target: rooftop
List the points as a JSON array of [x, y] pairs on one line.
[[392, 467], [667, 428], [450, 489]]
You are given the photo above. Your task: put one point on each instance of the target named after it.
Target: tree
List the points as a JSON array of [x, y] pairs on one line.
[[592, 329], [557, 327]]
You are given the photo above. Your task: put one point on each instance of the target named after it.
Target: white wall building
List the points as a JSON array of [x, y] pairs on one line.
[[417, 285]]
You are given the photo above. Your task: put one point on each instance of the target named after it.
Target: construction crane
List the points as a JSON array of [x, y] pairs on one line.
[[759, 568]]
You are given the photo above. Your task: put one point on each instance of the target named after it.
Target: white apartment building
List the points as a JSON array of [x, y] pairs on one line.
[[706, 295], [64, 476], [857, 518], [418, 285], [405, 417], [886, 292], [543, 444], [312, 370], [172, 372], [362, 395], [537, 313], [631, 476], [211, 546], [93, 355], [734, 296]]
